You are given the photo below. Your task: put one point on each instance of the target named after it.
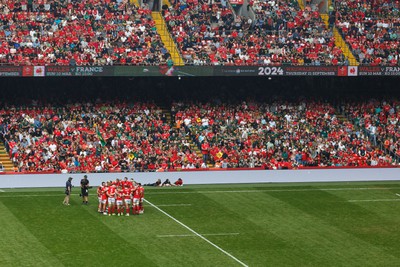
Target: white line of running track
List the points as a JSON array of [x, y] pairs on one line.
[[197, 234]]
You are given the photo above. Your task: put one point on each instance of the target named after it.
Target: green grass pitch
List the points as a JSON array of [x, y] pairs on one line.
[[313, 224]]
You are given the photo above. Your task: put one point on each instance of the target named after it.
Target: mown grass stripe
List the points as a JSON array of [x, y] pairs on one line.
[[197, 234], [19, 246], [62, 229], [351, 220]]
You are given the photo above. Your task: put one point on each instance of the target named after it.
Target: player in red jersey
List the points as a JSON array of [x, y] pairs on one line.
[[111, 199], [99, 196], [119, 201], [117, 182], [104, 199], [127, 193], [141, 194], [136, 200], [126, 182]]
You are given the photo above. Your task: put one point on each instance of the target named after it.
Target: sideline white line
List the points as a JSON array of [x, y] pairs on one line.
[[398, 195], [217, 234], [33, 195], [226, 191], [16, 195], [197, 234], [174, 205], [274, 190], [373, 200], [2, 190]]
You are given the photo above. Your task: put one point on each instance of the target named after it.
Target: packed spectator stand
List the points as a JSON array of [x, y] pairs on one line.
[[121, 131], [209, 33], [379, 119], [110, 32], [371, 29], [279, 135], [96, 137], [95, 32]]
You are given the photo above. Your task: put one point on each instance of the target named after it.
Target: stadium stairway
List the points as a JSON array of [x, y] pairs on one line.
[[5, 159], [189, 137], [345, 48], [301, 4], [167, 38], [196, 148], [167, 114], [134, 2], [341, 117], [193, 146], [339, 42]]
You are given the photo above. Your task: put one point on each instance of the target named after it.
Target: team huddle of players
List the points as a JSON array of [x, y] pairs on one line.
[[118, 196]]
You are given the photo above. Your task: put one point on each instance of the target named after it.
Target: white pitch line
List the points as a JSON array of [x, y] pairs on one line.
[[274, 190], [229, 191], [398, 195], [33, 195], [197, 234], [217, 234], [16, 195], [2, 190], [374, 200], [174, 205]]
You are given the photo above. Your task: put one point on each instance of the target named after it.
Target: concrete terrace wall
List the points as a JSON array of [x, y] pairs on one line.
[[209, 177]]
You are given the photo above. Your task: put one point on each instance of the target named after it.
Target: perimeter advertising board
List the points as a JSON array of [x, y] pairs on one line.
[[142, 71], [10, 71], [379, 71], [79, 71]]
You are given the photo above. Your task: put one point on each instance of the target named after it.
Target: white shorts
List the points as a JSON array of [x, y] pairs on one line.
[[119, 202], [128, 201], [99, 199], [111, 200], [136, 201], [104, 201]]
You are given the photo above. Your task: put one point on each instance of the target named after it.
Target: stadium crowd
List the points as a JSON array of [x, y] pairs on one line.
[[120, 135], [208, 33], [371, 29], [279, 135], [379, 120], [108, 32], [94, 137], [95, 32]]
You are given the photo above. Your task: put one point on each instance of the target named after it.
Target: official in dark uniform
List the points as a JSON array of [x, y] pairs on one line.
[[68, 188], [85, 189]]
